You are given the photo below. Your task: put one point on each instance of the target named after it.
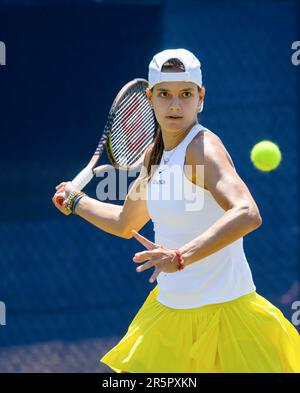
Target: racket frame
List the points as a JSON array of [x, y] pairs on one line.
[[86, 175]]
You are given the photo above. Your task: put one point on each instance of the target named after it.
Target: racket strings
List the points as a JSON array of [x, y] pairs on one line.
[[126, 108], [138, 128], [137, 146], [133, 127], [125, 160], [128, 119]]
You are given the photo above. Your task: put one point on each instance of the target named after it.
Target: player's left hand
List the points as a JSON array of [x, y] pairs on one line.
[[65, 187], [163, 259]]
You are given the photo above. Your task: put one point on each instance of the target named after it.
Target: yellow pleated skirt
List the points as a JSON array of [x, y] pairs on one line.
[[248, 334]]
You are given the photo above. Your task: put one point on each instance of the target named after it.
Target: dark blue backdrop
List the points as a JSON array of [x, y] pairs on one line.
[[64, 280]]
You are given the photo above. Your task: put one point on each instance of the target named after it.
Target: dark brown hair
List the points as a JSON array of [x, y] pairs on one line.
[[171, 65]]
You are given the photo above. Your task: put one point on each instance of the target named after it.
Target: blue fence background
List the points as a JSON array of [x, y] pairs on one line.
[[70, 289]]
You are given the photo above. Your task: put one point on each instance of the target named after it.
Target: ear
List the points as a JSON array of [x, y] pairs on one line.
[[201, 96], [149, 95]]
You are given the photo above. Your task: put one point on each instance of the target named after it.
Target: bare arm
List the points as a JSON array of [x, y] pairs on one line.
[[230, 192], [115, 219]]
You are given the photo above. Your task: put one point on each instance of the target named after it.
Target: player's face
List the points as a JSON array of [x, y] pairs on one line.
[[176, 104]]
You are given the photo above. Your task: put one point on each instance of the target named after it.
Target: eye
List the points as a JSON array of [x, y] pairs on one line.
[[163, 94], [187, 94]]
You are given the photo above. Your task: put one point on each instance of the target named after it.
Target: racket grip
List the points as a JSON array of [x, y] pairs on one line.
[[79, 182], [83, 178]]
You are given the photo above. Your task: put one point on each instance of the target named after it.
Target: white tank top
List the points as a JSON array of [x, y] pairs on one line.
[[181, 211]]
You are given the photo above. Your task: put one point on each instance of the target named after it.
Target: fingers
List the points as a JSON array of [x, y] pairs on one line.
[[145, 255], [61, 185], [64, 187], [60, 189], [55, 202], [143, 240], [58, 198], [149, 264], [154, 275], [62, 208]]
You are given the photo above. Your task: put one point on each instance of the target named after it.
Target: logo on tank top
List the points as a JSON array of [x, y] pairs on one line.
[[170, 183], [159, 181]]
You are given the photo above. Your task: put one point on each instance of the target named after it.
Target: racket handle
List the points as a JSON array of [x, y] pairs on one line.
[[79, 182], [83, 178]]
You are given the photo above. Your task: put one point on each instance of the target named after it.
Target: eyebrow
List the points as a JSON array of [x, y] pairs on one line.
[[187, 89]]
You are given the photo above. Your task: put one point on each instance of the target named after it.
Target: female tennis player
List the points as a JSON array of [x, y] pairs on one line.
[[204, 314]]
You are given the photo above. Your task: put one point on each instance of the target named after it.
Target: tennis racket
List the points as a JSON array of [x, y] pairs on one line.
[[129, 130]]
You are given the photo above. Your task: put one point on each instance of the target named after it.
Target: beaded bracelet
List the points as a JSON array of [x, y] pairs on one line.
[[180, 260], [180, 265], [77, 199], [71, 198]]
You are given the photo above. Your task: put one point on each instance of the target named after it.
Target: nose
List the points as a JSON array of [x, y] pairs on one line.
[[175, 104]]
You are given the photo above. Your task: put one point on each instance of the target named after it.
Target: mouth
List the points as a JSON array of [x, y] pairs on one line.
[[174, 117]]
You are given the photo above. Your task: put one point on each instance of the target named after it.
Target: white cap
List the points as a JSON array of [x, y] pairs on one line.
[[191, 64]]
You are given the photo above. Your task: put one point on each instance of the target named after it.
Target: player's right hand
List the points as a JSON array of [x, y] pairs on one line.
[[60, 188]]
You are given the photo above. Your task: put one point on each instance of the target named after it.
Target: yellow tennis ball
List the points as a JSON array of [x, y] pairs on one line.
[[265, 156]]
